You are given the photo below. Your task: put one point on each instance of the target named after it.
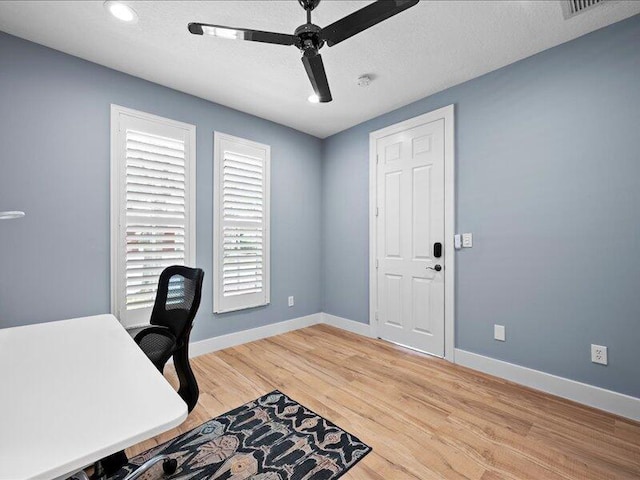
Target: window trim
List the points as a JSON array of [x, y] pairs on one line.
[[116, 162], [218, 137]]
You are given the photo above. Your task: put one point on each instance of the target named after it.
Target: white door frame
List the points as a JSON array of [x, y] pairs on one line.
[[446, 114]]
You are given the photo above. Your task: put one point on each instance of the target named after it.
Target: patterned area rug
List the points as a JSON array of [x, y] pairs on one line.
[[271, 438]]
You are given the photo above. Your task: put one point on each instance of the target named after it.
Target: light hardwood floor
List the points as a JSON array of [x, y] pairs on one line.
[[425, 418]]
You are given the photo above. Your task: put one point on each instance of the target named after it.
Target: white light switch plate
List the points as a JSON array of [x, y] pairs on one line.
[[291, 301], [499, 333], [457, 241], [467, 240]]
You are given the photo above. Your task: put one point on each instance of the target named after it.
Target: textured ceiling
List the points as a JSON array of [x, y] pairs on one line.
[[432, 46]]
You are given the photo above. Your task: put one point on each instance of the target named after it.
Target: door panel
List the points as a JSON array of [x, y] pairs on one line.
[[410, 196], [421, 219], [421, 145], [392, 151], [421, 302], [392, 221], [393, 290]]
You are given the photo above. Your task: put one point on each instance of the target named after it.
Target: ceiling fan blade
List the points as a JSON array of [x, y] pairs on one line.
[[242, 34], [362, 19], [312, 61]]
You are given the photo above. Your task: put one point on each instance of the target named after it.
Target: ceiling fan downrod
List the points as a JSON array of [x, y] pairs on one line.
[[308, 34]]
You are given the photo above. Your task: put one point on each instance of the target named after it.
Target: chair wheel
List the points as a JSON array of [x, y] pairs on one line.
[[170, 466]]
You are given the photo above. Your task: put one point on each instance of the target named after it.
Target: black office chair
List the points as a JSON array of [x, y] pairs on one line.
[[175, 307], [177, 301]]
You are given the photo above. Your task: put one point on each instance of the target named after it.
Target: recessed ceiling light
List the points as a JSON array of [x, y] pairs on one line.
[[121, 11], [313, 98]]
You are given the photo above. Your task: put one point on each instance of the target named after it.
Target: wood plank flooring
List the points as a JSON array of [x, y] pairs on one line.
[[424, 417]]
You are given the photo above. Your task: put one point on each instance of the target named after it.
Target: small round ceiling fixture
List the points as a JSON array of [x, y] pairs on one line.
[[121, 11], [313, 98], [364, 81]]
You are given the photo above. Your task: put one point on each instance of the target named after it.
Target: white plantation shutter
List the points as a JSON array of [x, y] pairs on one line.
[[155, 213], [241, 224], [152, 207]]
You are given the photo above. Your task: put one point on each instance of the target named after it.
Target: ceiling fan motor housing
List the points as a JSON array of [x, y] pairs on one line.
[[309, 37]]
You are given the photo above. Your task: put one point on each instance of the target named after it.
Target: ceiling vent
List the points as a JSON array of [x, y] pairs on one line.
[[572, 8]]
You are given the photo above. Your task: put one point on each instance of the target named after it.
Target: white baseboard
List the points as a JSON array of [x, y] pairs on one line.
[[607, 400], [238, 338], [214, 344], [352, 326]]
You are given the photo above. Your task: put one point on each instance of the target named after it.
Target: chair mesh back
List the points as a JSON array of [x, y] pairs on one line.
[[178, 299], [181, 293]]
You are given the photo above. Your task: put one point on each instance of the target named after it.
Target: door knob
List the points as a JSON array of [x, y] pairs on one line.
[[437, 268]]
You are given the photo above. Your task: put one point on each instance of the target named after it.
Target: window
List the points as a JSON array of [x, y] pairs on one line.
[[152, 207], [240, 224]]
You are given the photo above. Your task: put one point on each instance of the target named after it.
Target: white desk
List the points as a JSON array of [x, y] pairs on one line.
[[75, 391]]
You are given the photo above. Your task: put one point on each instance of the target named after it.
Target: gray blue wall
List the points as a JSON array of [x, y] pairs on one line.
[[54, 164], [548, 174], [548, 181]]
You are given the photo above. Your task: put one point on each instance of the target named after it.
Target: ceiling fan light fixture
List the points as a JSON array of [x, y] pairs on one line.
[[10, 215], [227, 33], [121, 11], [313, 98]]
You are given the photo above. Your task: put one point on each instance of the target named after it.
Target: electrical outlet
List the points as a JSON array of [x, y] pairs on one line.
[[599, 354], [291, 301], [499, 333]]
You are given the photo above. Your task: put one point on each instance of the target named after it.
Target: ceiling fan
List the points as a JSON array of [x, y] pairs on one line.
[[310, 38]]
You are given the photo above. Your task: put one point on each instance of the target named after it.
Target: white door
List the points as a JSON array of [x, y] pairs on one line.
[[410, 225]]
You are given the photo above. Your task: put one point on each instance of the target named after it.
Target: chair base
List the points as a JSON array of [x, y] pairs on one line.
[[81, 475], [169, 465], [114, 462]]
